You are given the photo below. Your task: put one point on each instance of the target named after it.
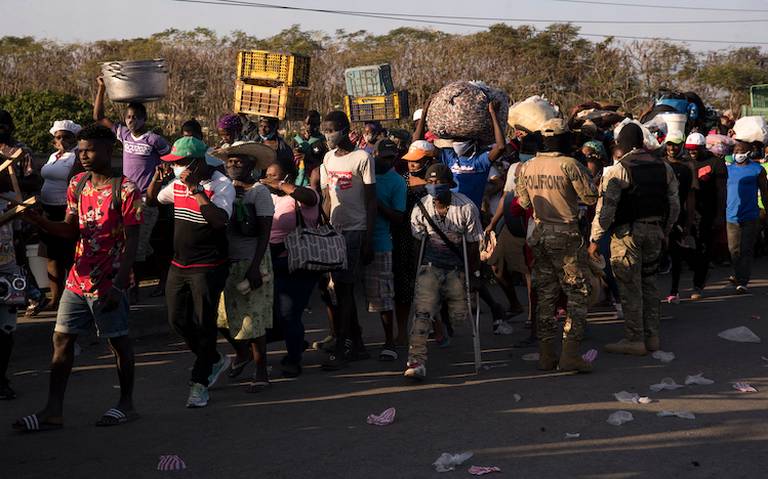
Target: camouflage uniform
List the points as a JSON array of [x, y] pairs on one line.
[[554, 184], [636, 246]]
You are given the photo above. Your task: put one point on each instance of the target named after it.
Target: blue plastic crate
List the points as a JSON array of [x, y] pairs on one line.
[[371, 80]]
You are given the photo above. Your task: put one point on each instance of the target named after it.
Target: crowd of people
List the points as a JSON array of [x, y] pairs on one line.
[[575, 218]]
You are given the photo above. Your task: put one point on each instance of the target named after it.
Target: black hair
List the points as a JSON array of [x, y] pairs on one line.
[[558, 143], [193, 126], [339, 120], [313, 116], [138, 108], [270, 120], [7, 119], [97, 131]]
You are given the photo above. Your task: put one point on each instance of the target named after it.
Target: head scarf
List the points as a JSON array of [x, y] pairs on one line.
[[597, 147], [230, 122]]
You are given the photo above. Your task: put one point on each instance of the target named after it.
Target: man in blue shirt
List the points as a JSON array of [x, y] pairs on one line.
[[379, 280], [742, 213], [469, 161]]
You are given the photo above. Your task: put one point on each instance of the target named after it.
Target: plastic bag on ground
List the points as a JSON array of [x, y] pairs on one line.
[[663, 356], [744, 388], [666, 384], [384, 419], [620, 417], [590, 356], [631, 398], [680, 414], [482, 470], [448, 462], [531, 357], [517, 397], [741, 334], [698, 379], [572, 435]]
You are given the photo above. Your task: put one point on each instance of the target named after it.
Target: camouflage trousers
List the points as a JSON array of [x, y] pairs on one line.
[[635, 253], [435, 286], [559, 265]]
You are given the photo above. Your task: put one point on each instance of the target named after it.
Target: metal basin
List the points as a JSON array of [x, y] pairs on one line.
[[135, 81]]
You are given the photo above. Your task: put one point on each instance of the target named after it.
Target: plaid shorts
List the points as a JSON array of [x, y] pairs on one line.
[[380, 283]]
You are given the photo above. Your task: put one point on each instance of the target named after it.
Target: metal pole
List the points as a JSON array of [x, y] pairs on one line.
[[474, 319]]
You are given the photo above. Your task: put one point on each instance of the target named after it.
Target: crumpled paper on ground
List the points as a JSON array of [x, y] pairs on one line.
[[698, 379], [448, 462], [741, 334], [663, 356], [744, 387], [620, 417], [481, 470], [590, 356], [171, 462], [680, 414], [572, 435], [517, 397], [531, 357], [386, 418], [631, 398], [666, 384]]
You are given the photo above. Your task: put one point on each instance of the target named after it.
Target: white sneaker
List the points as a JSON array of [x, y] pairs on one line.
[[218, 368], [415, 371], [503, 328], [619, 310], [198, 396]]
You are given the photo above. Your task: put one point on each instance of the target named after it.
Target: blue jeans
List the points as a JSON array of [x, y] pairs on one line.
[[292, 293]]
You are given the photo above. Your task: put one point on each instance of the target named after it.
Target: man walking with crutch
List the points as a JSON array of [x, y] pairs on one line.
[[448, 225]]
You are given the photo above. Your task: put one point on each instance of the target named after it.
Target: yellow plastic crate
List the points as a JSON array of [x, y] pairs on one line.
[[284, 102], [376, 108], [279, 68]]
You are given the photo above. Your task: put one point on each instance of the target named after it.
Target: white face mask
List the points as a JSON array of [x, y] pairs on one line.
[[740, 157], [462, 147], [178, 170]]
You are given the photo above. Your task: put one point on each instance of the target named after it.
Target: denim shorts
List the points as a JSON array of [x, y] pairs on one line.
[[77, 314]]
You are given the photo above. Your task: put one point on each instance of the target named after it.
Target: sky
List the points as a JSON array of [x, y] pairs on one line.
[[88, 20]]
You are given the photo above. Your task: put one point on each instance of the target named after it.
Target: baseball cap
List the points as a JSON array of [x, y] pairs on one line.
[[675, 138], [554, 127], [441, 172], [186, 147], [419, 149], [385, 148], [694, 141]]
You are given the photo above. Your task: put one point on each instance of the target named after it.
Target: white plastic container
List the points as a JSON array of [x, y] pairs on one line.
[[675, 123], [38, 265]]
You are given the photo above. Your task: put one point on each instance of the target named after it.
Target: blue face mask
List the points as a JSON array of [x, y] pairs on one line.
[[437, 191], [269, 136]]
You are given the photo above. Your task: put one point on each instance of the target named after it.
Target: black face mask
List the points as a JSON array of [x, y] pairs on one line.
[[5, 137], [240, 174]]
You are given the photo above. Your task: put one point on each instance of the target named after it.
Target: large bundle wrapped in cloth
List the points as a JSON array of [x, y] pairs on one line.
[[531, 113], [751, 129], [460, 110]]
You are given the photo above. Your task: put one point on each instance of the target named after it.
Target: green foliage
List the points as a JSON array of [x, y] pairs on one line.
[[34, 113]]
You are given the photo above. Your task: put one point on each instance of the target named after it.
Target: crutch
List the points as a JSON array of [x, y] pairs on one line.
[[474, 318]]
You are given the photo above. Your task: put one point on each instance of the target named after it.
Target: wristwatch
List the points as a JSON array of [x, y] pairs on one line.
[[197, 189]]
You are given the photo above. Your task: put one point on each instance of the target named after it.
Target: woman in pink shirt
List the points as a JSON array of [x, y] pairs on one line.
[[292, 290]]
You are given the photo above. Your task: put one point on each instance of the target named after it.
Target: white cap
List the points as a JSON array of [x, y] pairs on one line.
[[417, 114], [65, 125], [695, 140]]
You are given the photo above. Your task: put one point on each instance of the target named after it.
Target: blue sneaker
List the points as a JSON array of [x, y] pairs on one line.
[[219, 367], [198, 396]]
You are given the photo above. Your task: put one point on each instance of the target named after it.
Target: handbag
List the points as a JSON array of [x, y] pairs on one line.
[[321, 249]]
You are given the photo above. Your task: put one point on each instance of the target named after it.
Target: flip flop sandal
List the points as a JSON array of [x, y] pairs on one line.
[[33, 424], [237, 368], [258, 386], [388, 354], [116, 417]]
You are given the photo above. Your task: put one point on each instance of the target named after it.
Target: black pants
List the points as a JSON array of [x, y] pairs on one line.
[[193, 297], [705, 241]]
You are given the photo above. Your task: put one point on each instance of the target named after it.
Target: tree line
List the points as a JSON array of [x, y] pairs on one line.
[[554, 62]]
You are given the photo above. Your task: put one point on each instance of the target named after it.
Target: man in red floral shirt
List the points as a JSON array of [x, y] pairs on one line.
[[108, 228]]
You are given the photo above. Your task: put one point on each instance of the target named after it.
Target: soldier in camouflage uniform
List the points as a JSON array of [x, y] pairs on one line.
[[639, 202], [554, 184]]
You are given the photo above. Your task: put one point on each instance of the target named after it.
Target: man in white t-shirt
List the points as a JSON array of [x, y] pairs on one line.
[[348, 183]]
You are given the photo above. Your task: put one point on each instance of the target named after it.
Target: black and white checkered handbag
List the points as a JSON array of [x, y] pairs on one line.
[[320, 249]]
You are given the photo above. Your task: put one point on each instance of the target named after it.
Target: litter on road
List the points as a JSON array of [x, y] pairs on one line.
[[448, 462], [620, 417], [531, 357], [680, 414], [666, 384], [742, 334], [631, 398], [663, 356], [698, 379], [482, 470], [171, 463], [744, 387], [590, 356], [572, 435], [384, 419]]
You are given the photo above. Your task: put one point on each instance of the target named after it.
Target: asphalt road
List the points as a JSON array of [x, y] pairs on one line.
[[315, 426]]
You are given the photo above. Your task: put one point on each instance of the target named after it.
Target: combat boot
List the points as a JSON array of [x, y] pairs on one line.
[[571, 360], [547, 356], [652, 343], [635, 348]]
